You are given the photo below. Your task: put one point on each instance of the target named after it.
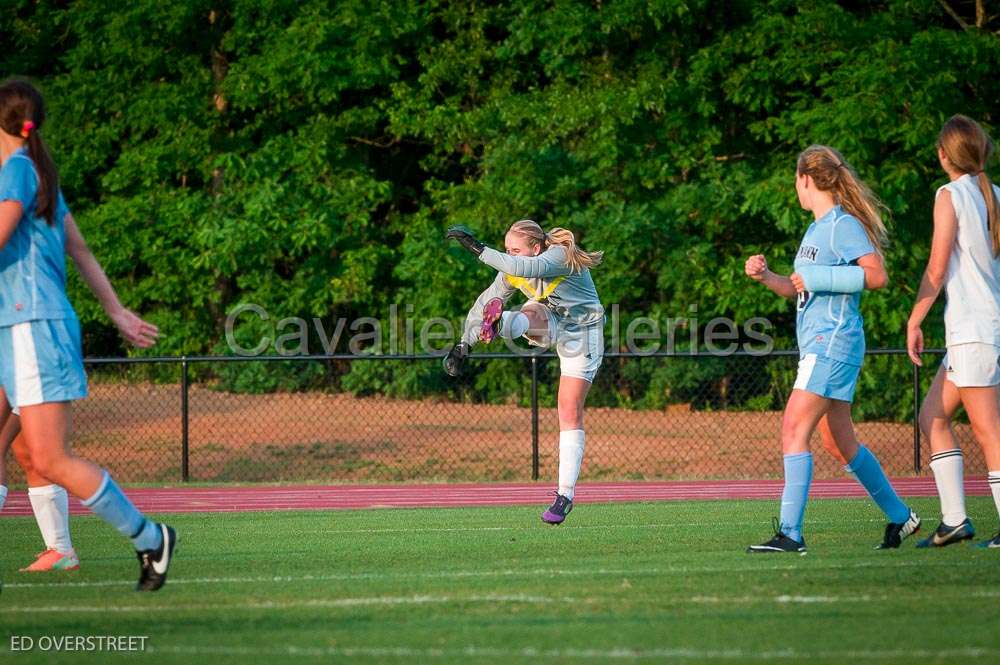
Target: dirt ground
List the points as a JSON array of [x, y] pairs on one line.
[[135, 430]]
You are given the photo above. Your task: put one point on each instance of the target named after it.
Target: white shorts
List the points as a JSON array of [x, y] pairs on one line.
[[580, 348], [972, 365]]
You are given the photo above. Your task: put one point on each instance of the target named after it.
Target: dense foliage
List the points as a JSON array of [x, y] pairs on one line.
[[307, 155]]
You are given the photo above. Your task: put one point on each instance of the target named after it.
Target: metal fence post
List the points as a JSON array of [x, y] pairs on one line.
[[916, 418], [184, 420], [534, 417]]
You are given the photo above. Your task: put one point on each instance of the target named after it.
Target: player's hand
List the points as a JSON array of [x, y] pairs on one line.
[[756, 267], [915, 343], [135, 331], [455, 360], [465, 238], [798, 282]]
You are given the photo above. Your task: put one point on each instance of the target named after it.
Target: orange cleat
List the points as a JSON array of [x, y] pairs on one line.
[[52, 560]]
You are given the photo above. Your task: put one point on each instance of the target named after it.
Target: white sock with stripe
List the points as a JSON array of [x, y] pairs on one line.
[[50, 503], [513, 324], [948, 468], [994, 480], [3, 495], [571, 445]]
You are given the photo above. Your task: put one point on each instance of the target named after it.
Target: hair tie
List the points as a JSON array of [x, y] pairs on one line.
[[26, 128], [841, 165]]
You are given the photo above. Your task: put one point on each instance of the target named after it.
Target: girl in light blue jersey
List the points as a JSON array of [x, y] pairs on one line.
[[840, 256], [41, 363]]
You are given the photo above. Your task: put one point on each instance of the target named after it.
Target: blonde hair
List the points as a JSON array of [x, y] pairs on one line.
[[968, 147], [576, 258], [831, 173]]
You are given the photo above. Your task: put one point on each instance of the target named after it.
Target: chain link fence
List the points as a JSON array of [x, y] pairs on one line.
[[669, 416]]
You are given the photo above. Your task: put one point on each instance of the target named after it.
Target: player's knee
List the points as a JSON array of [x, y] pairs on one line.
[[791, 430], [23, 456], [47, 463], [927, 422], [570, 412]]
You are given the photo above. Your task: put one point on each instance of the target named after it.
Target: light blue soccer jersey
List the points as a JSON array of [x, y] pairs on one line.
[[33, 261], [830, 324]]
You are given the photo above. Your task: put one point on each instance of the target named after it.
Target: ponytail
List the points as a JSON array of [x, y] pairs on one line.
[[833, 174], [22, 113], [576, 258], [968, 148], [992, 211]]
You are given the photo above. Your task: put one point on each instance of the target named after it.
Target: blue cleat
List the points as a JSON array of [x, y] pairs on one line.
[[948, 535], [992, 543]]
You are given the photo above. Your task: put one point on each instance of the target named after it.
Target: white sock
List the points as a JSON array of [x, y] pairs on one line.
[[513, 324], [948, 470], [571, 445], [994, 479], [50, 504], [3, 495]]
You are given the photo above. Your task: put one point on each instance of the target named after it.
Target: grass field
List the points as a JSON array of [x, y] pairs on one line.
[[651, 582]]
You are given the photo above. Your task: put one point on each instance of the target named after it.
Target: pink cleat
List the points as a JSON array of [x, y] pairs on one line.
[[492, 316]]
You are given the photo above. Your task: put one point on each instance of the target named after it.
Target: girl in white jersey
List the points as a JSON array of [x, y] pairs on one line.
[[563, 310], [964, 261]]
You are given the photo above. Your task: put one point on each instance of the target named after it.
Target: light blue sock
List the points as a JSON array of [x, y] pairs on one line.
[[112, 506], [869, 473], [798, 476]]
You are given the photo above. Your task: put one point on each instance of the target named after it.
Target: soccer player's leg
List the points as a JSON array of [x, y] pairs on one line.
[[802, 413], [7, 434], [947, 463], [50, 505], [983, 406], [864, 466], [581, 352]]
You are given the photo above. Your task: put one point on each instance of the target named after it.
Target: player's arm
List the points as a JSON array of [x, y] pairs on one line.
[[10, 215], [136, 331], [869, 273], [876, 276], [18, 189], [550, 263], [945, 230], [757, 270]]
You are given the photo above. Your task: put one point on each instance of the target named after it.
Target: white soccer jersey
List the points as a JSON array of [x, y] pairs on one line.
[[972, 285]]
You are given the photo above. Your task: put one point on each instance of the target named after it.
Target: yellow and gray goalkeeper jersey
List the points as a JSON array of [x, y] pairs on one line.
[[545, 279]]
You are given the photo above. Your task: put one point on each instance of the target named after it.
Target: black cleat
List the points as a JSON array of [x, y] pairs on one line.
[[949, 535], [780, 543], [155, 563], [895, 534]]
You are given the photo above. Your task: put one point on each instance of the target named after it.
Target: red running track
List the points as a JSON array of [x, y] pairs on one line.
[[336, 497]]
